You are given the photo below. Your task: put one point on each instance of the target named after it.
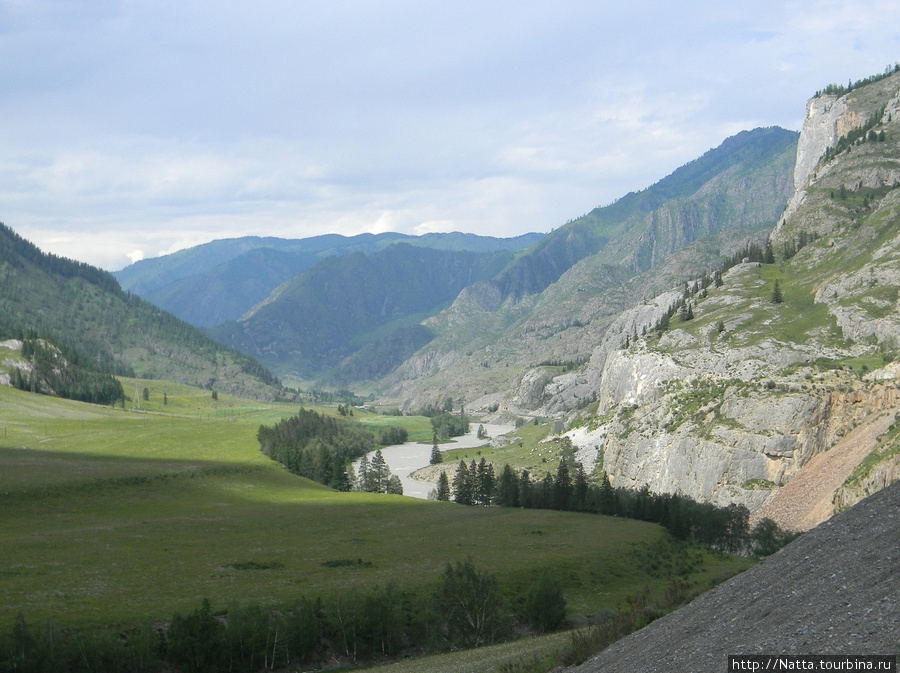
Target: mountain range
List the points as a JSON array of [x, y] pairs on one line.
[[725, 333]]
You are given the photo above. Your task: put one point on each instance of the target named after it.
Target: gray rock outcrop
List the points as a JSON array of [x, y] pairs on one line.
[[835, 590]]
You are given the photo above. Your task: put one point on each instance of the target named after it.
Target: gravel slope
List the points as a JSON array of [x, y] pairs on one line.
[[835, 590]]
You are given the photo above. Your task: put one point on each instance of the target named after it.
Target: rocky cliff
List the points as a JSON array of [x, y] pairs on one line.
[[559, 301], [732, 402]]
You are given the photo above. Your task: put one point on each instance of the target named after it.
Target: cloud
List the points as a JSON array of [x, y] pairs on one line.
[[152, 126]]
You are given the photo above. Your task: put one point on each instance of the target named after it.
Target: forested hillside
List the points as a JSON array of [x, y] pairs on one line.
[[556, 301], [84, 309], [346, 303], [220, 281]]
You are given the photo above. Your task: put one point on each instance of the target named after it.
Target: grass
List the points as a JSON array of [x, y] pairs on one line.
[[111, 516], [528, 653], [530, 450]]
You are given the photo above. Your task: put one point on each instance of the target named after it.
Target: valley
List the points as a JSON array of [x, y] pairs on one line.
[[121, 517], [724, 343]]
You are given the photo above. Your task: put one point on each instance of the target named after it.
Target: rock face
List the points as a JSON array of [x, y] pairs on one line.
[[555, 302], [835, 590], [715, 439], [733, 404]]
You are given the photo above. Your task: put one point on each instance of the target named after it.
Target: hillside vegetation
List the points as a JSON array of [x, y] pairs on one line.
[[169, 502], [556, 301], [727, 391], [330, 311], [220, 281], [83, 308]]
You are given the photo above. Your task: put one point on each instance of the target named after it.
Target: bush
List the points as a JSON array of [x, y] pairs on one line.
[[545, 605], [474, 613]]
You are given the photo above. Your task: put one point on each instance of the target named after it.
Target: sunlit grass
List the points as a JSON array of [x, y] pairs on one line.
[[118, 516]]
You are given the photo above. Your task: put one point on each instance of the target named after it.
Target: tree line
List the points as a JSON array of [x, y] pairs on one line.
[[465, 608], [724, 528], [62, 371], [322, 448]]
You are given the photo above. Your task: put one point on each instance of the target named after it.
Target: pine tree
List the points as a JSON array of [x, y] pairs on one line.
[[380, 472], [462, 487], [436, 456], [443, 487], [394, 485], [562, 486], [776, 294], [507, 488]]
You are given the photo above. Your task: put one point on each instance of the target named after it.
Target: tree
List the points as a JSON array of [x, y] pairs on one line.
[[394, 485], [486, 483], [197, 642], [545, 605], [380, 472], [776, 294], [165, 399], [443, 487], [215, 395], [525, 488], [462, 487], [436, 456], [482, 433], [473, 610], [562, 486], [363, 478], [145, 395], [507, 488]]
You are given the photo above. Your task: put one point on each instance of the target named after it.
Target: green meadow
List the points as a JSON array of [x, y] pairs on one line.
[[120, 516]]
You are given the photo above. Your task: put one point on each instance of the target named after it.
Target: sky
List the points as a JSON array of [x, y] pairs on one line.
[[131, 129]]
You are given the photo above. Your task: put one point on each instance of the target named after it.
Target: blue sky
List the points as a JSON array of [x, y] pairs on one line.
[[131, 129]]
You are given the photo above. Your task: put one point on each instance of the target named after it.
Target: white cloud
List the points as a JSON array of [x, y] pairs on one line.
[[149, 127]]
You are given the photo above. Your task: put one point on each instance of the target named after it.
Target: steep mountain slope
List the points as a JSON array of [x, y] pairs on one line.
[[588, 271], [85, 309], [784, 360], [835, 590], [229, 290], [220, 281], [332, 310]]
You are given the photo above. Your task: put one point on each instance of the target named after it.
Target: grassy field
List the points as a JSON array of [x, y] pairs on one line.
[[112, 516]]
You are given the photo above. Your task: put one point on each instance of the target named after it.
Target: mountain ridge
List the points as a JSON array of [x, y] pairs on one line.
[[83, 308], [222, 280]]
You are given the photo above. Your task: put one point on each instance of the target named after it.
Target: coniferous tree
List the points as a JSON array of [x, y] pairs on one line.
[[443, 487], [507, 488], [394, 485], [380, 473], [776, 294], [487, 483], [436, 456], [462, 486], [363, 480], [525, 490], [562, 486]]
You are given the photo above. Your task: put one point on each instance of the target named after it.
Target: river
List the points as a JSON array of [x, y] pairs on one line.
[[404, 459]]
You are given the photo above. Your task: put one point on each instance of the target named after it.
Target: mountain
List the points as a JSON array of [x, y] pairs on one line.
[[832, 591], [220, 281], [83, 310], [772, 384], [345, 303], [555, 301]]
